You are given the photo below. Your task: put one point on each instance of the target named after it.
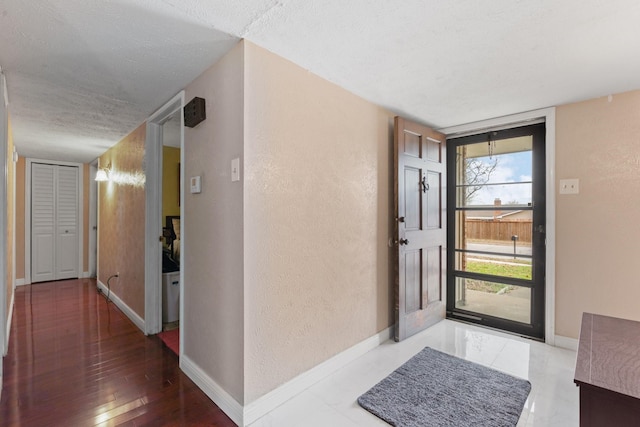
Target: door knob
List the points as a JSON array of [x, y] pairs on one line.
[[402, 242]]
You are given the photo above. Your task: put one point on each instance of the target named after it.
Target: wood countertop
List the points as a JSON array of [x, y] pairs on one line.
[[609, 354]]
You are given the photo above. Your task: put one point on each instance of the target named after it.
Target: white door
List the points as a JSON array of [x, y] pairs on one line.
[[42, 222], [54, 222], [93, 220], [66, 253]]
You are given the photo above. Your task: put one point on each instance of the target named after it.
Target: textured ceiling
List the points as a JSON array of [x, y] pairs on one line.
[[82, 74]]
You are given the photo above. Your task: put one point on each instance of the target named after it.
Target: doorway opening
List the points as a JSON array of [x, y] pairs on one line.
[[154, 237], [496, 238], [171, 139]]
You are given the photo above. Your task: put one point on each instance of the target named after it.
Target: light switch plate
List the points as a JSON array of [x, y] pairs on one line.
[[569, 186], [194, 182], [235, 170]]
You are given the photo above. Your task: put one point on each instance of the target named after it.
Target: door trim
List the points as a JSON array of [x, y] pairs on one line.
[[27, 214], [153, 209], [93, 220], [548, 115], [4, 144]]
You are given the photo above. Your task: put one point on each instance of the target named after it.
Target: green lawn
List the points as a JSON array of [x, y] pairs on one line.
[[507, 270], [515, 271]]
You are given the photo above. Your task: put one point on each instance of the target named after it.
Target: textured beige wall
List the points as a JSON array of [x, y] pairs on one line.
[[20, 194], [212, 228], [121, 222], [598, 141], [170, 182], [317, 220]]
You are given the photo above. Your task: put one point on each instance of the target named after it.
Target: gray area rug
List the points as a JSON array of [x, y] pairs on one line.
[[436, 389]]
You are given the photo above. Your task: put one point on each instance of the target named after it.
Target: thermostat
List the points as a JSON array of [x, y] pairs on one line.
[[195, 184]]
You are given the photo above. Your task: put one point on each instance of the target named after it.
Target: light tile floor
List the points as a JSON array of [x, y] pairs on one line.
[[553, 400]]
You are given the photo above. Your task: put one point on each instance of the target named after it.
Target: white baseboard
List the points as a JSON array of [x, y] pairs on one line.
[[132, 315], [565, 342], [224, 400], [243, 416], [23, 282], [267, 403]]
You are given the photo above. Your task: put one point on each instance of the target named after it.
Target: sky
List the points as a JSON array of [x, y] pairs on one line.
[[512, 167]]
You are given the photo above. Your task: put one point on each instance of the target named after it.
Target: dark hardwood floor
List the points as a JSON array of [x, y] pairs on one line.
[[76, 360]]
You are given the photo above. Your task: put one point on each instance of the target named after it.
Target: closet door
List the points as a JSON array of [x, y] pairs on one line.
[[54, 222], [66, 252], [43, 221]]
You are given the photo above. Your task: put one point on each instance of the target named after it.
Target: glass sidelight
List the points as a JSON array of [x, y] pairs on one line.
[[496, 229]]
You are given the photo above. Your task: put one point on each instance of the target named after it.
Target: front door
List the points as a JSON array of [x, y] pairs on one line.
[[497, 229], [420, 235]]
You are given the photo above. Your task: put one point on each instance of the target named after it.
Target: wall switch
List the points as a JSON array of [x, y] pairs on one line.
[[235, 170], [194, 184], [569, 186]]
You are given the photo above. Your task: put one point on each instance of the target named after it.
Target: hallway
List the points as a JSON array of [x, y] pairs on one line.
[[75, 359]]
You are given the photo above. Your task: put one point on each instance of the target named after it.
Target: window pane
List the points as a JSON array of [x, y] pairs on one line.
[[494, 299], [498, 196], [495, 173], [504, 239], [504, 250], [517, 268]]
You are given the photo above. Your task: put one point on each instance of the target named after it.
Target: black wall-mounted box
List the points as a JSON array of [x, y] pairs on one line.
[[194, 112]]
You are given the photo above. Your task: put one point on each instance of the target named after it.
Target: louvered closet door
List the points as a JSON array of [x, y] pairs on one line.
[[67, 223], [54, 222], [42, 222]]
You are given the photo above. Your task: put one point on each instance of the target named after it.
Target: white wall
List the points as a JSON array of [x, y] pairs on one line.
[[212, 228]]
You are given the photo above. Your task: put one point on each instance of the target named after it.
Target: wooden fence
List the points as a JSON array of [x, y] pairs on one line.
[[490, 229]]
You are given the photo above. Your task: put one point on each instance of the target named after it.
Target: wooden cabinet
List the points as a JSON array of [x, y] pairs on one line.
[[608, 371]]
